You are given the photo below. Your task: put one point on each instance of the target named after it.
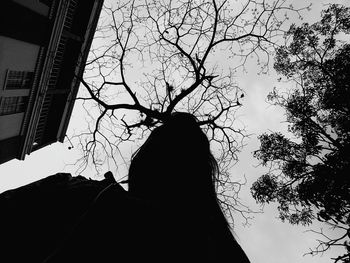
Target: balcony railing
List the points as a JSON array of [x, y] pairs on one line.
[[55, 69], [44, 114]]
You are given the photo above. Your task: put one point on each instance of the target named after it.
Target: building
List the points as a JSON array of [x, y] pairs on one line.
[[44, 45]]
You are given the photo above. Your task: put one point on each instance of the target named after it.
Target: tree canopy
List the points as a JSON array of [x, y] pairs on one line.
[[152, 58], [309, 173]]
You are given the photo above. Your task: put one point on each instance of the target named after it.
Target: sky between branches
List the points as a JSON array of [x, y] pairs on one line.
[[266, 239]]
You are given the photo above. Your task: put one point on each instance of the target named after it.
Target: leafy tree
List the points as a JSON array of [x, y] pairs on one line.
[[152, 58], [309, 173]]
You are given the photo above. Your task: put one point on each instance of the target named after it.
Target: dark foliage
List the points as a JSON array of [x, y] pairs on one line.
[[309, 171]]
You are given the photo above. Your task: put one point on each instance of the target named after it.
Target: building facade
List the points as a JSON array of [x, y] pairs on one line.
[[44, 45]]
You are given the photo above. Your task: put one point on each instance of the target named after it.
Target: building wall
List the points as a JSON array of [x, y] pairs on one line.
[[10, 125], [48, 37], [20, 56], [34, 5], [9, 148], [16, 55], [20, 22]]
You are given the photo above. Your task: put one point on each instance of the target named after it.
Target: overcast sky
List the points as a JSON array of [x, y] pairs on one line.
[[267, 239]]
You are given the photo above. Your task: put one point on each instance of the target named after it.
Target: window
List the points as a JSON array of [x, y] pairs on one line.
[[19, 79], [12, 105]]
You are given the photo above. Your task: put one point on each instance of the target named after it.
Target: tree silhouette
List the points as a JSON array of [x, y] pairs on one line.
[[152, 58], [309, 171]]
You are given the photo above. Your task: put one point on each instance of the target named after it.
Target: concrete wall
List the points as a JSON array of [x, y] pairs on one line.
[[34, 5]]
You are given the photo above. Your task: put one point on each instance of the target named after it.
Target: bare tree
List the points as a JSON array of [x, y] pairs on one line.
[[338, 238], [151, 58]]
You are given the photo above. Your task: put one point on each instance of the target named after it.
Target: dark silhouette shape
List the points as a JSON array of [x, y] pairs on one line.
[[176, 169], [34, 218], [169, 214]]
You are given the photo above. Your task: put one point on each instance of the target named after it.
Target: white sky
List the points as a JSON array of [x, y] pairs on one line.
[[267, 239]]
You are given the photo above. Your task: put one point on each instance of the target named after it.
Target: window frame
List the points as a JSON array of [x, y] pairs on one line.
[[25, 77], [18, 105]]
